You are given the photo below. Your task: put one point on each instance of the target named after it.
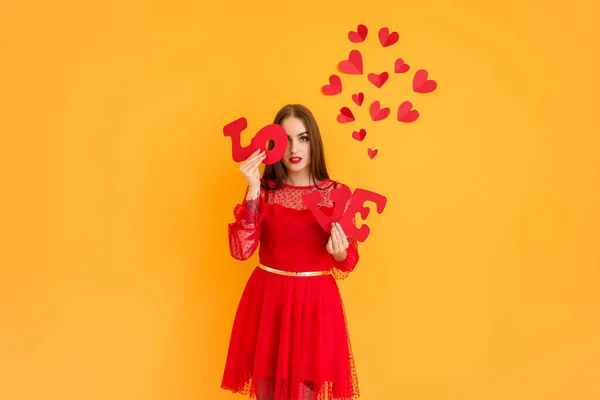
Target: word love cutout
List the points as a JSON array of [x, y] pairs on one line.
[[272, 132], [345, 217]]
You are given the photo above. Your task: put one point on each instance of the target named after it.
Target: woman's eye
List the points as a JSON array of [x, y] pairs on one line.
[[304, 139]]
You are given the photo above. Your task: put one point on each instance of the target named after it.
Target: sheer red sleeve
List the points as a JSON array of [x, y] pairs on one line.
[[244, 233]]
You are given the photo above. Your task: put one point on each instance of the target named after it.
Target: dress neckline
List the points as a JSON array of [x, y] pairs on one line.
[[306, 186]]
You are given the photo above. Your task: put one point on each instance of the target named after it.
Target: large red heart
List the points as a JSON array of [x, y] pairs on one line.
[[421, 84], [372, 153], [358, 98], [353, 65], [345, 116], [400, 66], [406, 113], [386, 38], [378, 113], [334, 87], [359, 135], [359, 36], [378, 80]]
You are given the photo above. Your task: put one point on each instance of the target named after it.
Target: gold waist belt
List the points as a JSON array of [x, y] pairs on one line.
[[290, 273]]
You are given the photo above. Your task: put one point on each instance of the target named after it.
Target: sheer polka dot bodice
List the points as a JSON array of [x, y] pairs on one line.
[[289, 196]]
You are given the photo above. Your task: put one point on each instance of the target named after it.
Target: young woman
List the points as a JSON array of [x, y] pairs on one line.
[[290, 338]]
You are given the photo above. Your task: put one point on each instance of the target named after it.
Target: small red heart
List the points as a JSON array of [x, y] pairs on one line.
[[334, 87], [345, 116], [386, 38], [359, 135], [378, 113], [378, 80], [372, 153], [400, 66], [421, 84], [353, 65], [406, 113], [360, 35], [358, 98]]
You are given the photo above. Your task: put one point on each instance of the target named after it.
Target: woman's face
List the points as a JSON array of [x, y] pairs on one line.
[[297, 154]]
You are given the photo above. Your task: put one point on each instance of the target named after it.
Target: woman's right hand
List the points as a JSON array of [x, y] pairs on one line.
[[249, 169]]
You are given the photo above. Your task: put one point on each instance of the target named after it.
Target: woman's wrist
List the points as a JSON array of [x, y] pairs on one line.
[[340, 257], [253, 193]]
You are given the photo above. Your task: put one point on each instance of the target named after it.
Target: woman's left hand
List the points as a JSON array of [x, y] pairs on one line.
[[337, 243]]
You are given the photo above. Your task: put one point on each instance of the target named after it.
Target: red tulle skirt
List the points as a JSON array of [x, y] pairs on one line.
[[290, 341]]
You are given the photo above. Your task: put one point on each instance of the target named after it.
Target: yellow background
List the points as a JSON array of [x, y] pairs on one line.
[[479, 281]]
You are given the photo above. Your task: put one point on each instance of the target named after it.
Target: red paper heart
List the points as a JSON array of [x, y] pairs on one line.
[[421, 84], [359, 135], [334, 87], [372, 153], [378, 80], [400, 66], [406, 113], [358, 98], [345, 116], [353, 65], [378, 113], [386, 38], [360, 35]]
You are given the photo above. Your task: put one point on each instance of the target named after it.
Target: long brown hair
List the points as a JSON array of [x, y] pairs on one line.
[[317, 166]]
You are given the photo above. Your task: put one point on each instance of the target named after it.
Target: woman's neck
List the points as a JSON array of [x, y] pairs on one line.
[[300, 178]]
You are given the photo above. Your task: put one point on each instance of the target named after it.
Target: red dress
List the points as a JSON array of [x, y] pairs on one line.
[[290, 338]]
